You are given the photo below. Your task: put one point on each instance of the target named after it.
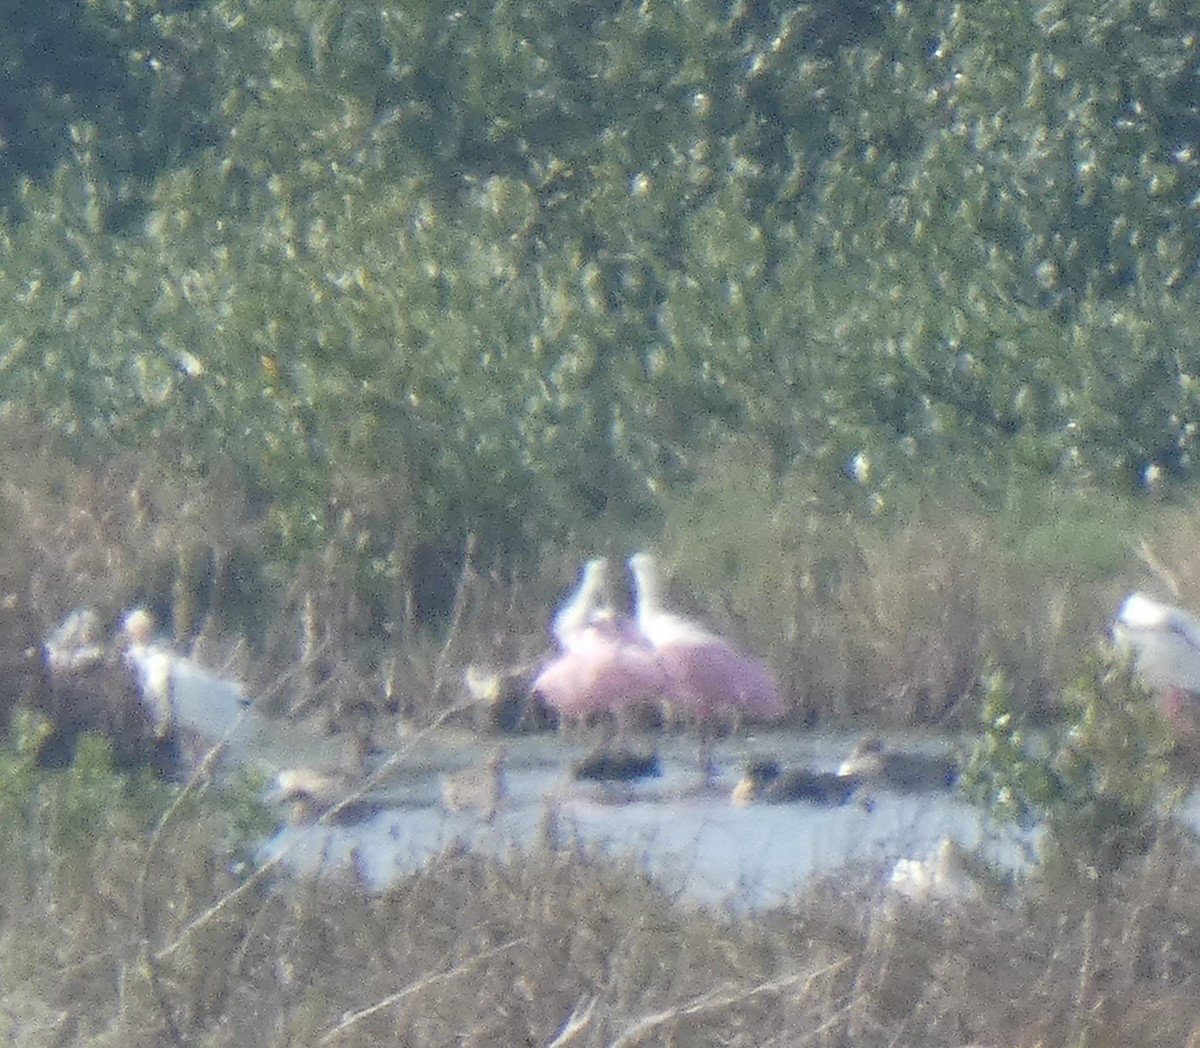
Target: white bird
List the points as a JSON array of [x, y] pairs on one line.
[[75, 644], [1164, 642], [153, 665], [944, 877]]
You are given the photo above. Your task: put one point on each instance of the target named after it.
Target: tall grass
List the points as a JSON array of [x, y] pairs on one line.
[[142, 930], [129, 912], [865, 610]]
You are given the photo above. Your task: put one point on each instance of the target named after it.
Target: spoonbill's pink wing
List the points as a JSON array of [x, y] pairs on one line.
[[714, 677], [599, 673]]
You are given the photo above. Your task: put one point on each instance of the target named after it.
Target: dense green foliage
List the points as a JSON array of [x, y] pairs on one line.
[[526, 265], [1095, 782]]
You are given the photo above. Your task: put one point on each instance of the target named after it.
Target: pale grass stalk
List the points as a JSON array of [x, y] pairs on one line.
[[578, 1021], [714, 1001], [259, 875], [1148, 557], [456, 617], [423, 983], [203, 773]]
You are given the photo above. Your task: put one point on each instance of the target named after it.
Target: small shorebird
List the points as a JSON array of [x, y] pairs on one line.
[[310, 794], [765, 781], [479, 788]]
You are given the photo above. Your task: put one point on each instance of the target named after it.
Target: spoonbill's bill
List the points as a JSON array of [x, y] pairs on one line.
[[706, 675], [872, 763], [606, 665], [1164, 642], [766, 781]]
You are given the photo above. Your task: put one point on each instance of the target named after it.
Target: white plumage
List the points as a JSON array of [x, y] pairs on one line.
[[1164, 641]]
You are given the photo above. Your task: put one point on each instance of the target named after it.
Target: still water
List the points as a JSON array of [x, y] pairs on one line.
[[695, 843]]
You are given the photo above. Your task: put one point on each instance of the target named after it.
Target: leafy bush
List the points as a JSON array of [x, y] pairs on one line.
[[526, 266], [1095, 783]]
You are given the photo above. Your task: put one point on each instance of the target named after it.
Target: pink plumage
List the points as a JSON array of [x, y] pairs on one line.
[[604, 670], [605, 665], [706, 674]]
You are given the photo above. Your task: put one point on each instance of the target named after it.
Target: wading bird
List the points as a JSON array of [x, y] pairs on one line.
[[151, 662], [587, 601], [605, 665], [706, 676], [764, 781], [1164, 642]]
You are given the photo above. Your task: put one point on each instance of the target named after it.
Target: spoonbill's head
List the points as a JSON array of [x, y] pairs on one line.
[[645, 581], [643, 565], [1163, 640], [137, 626]]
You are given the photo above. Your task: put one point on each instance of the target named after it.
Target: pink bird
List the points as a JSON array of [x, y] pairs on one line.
[[605, 666], [706, 675]]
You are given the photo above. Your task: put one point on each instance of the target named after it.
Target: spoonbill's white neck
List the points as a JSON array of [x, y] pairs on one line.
[[656, 624], [647, 588], [586, 602]]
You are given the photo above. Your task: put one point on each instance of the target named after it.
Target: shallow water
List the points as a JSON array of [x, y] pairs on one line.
[[696, 843]]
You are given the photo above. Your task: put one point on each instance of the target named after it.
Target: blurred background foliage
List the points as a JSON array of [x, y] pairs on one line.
[[528, 270]]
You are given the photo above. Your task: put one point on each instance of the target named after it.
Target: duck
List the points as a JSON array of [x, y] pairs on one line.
[[871, 762], [765, 781], [617, 766]]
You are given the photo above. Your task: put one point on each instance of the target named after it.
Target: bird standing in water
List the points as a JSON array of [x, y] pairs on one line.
[[605, 665], [706, 676]]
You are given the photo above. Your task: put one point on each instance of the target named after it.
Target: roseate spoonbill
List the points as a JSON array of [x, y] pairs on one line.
[[617, 766], [480, 788], [872, 764], [706, 675], [310, 794], [765, 781], [1165, 644], [606, 665]]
